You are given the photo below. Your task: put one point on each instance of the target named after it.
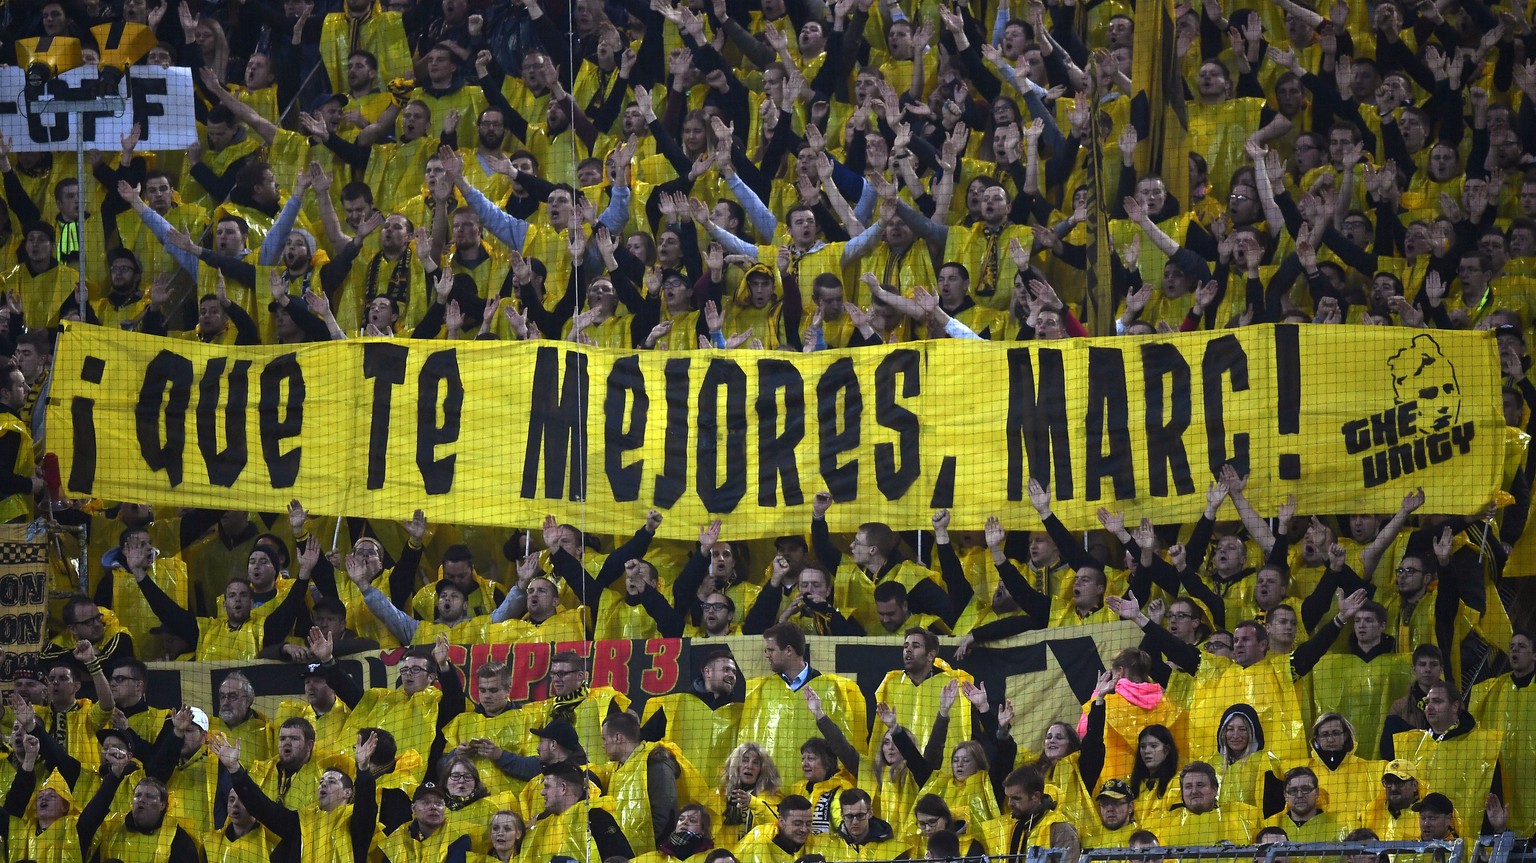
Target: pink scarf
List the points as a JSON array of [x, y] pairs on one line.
[[1143, 695]]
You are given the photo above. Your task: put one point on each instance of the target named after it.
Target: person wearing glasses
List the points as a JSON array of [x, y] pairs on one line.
[[1304, 819], [573, 700], [69, 719], [144, 722], [1348, 780], [868, 837], [415, 712]]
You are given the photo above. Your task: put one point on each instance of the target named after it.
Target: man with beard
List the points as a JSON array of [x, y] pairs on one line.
[[238, 719], [913, 691], [126, 300], [291, 777], [569, 825], [1391, 814], [390, 273], [703, 720], [1032, 818], [1117, 816]]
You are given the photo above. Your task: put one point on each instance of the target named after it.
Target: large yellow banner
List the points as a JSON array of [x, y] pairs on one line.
[[1349, 419]]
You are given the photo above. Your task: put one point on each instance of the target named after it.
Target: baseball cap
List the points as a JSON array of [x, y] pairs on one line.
[[312, 669], [199, 717], [1400, 768], [563, 733], [428, 789], [321, 101], [1435, 802], [1115, 789]]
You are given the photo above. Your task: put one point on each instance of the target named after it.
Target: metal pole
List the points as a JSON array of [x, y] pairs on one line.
[[76, 108]]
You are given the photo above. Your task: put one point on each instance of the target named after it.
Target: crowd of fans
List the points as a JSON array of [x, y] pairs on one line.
[[784, 175]]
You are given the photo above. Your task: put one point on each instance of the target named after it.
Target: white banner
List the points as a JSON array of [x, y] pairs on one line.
[[159, 100]]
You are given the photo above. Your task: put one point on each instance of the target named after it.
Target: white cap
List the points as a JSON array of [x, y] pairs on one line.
[[199, 718]]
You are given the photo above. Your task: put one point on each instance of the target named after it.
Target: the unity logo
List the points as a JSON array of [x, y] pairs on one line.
[[1422, 373], [1424, 426]]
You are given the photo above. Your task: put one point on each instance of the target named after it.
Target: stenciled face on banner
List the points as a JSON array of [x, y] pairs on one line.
[[1425, 425]]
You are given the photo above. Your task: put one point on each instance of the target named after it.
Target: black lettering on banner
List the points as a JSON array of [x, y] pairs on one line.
[[164, 395], [224, 466], [1165, 434], [722, 495], [47, 128], [557, 423], [1107, 402], [1288, 388], [282, 467], [384, 363], [1224, 358], [776, 452], [438, 383], [626, 388], [146, 108], [1037, 423], [893, 474], [82, 416], [842, 480], [674, 463]]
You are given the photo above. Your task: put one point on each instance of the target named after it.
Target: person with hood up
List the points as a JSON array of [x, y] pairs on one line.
[[1348, 781], [1242, 760]]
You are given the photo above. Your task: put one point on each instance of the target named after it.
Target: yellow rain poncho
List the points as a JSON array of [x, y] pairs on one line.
[[776, 716], [1502, 706]]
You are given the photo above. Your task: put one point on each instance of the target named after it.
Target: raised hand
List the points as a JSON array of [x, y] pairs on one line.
[[320, 645], [227, 750], [947, 696]]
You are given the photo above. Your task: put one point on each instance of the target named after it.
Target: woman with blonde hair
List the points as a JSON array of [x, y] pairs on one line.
[[214, 45], [749, 793], [889, 779], [506, 838]]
